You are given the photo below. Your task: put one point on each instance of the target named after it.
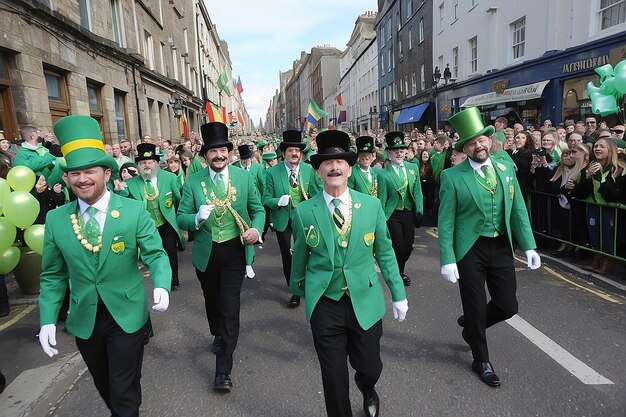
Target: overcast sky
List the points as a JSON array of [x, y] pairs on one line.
[[266, 36]]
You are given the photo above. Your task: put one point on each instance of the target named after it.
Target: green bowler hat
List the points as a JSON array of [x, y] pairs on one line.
[[269, 156], [469, 124], [81, 143]]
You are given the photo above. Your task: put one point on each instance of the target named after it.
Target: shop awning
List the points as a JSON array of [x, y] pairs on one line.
[[523, 92], [411, 114]]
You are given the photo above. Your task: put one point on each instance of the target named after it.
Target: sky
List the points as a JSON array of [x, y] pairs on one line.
[[266, 36]]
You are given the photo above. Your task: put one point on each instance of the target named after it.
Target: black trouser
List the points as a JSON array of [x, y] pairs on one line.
[[4, 295], [267, 223], [221, 286], [170, 244], [337, 334], [401, 225], [489, 260], [114, 359], [284, 243]]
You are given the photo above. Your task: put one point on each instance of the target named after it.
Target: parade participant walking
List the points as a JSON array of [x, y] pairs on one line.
[[404, 202], [482, 209], [91, 246], [159, 189], [364, 178], [338, 235], [221, 205], [287, 184]]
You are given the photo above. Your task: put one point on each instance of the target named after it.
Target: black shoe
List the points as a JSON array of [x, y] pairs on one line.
[[371, 402], [464, 336], [3, 382], [216, 347], [461, 321], [294, 301], [406, 280], [485, 373], [147, 335], [4, 311], [223, 383]]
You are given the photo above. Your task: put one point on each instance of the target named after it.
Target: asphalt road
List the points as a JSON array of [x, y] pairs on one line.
[[563, 355]]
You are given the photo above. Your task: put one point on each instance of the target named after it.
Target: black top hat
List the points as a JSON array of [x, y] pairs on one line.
[[244, 151], [291, 138], [365, 144], [214, 135], [395, 140], [332, 144], [146, 151]]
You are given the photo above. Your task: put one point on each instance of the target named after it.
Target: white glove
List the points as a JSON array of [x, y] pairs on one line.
[[534, 261], [161, 299], [450, 272], [399, 309], [249, 272], [203, 213], [284, 200], [48, 337]]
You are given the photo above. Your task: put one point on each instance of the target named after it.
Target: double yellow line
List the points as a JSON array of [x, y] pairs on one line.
[[18, 317]]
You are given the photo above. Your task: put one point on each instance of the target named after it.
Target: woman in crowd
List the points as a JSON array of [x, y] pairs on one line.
[[428, 188], [548, 143], [173, 166], [599, 184], [522, 155], [186, 159]]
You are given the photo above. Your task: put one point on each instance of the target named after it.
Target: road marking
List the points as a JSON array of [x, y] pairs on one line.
[[433, 233], [599, 293], [574, 366], [18, 317]]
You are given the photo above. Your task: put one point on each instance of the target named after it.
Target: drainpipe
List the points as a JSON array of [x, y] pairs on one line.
[[137, 104]]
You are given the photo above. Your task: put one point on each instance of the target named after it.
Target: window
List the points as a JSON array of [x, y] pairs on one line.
[[455, 9], [389, 60], [473, 47], [186, 41], [410, 39], [8, 119], [413, 84], [116, 22], [455, 63], [421, 30], [400, 46], [174, 64], [85, 17], [382, 66], [389, 28], [518, 30], [94, 93], [148, 49], [406, 84], [58, 95], [409, 9], [162, 58], [441, 15], [384, 90], [398, 21], [422, 77], [120, 114], [612, 13]]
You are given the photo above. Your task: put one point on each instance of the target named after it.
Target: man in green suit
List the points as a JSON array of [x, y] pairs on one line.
[[481, 211], [405, 201], [338, 235], [221, 205], [159, 190], [287, 184], [364, 178], [91, 245]]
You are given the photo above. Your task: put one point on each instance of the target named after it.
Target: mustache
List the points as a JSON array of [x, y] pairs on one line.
[[334, 173], [218, 159]]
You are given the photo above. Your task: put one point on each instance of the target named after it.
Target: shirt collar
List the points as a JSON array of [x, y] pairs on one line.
[[224, 173], [31, 147], [477, 165], [102, 204], [344, 198]]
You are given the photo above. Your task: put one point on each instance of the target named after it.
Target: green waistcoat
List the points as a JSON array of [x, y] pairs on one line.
[[296, 195], [226, 229], [155, 212], [335, 287], [493, 209]]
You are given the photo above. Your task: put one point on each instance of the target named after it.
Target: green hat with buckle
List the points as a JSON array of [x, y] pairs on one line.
[[81, 143], [469, 124], [395, 140]]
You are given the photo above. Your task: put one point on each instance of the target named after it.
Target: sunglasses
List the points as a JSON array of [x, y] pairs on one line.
[[618, 131]]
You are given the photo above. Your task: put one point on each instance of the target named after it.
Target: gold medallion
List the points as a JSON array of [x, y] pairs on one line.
[[357, 205], [344, 244], [115, 214]]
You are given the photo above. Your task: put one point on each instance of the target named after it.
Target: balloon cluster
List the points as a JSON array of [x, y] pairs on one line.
[[18, 208], [606, 98]]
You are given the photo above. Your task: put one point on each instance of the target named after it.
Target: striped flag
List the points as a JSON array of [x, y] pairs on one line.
[[239, 87], [183, 127], [222, 83], [213, 112], [314, 113]]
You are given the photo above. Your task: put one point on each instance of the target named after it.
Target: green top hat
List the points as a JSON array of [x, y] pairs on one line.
[[269, 156], [365, 144], [81, 143], [260, 144], [395, 140], [469, 124]]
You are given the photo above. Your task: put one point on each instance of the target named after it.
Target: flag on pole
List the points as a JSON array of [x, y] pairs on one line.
[[314, 113], [240, 118], [183, 127], [213, 112], [230, 117], [342, 117], [223, 114], [339, 101], [239, 87], [222, 83]]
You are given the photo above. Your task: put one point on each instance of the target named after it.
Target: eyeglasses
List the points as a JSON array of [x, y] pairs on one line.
[[618, 131]]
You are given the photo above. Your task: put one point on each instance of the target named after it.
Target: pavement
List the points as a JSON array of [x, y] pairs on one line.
[[563, 355]]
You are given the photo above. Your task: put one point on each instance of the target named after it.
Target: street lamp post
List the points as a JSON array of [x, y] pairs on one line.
[[177, 107], [447, 77]]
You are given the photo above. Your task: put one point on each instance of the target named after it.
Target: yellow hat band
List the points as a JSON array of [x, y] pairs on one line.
[[80, 144]]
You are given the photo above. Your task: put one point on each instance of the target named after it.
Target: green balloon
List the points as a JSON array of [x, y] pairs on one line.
[[5, 190], [21, 208], [21, 178], [33, 236], [7, 234], [9, 259]]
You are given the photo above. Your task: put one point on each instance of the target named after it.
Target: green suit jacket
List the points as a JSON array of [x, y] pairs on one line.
[[169, 197], [313, 256], [462, 215], [116, 279], [247, 204], [277, 185], [357, 181], [257, 172], [414, 188]]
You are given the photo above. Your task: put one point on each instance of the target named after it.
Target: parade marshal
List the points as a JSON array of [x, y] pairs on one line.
[[338, 235], [481, 211], [91, 245]]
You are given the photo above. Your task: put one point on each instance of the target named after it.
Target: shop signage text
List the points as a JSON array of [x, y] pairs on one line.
[[585, 64]]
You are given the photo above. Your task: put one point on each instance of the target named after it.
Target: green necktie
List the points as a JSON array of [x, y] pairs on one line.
[[401, 174], [490, 176], [337, 216], [220, 184], [150, 188], [92, 227]]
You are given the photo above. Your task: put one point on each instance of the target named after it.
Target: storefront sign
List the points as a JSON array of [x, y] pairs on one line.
[[500, 85], [586, 64], [523, 92]]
